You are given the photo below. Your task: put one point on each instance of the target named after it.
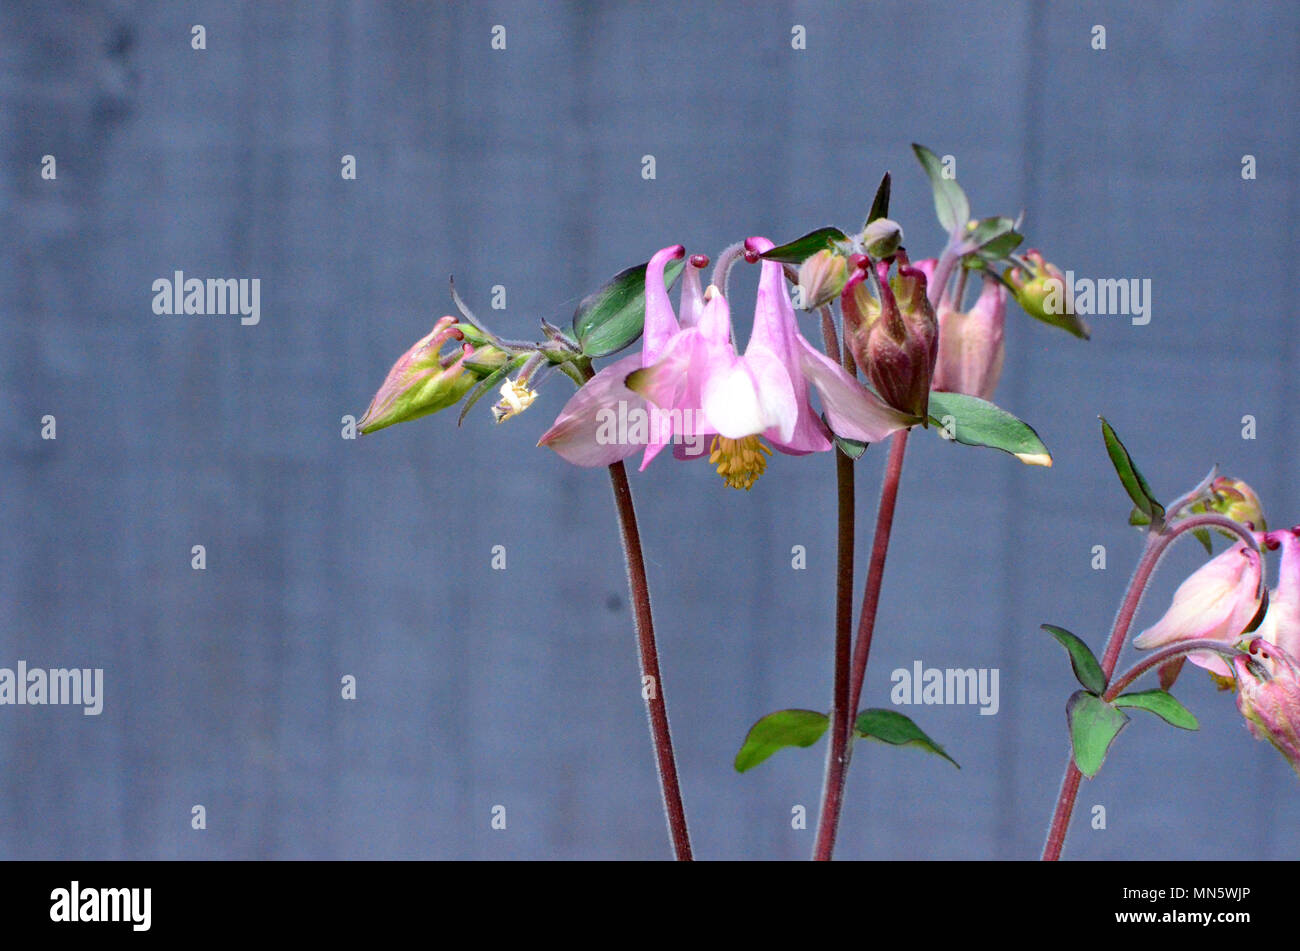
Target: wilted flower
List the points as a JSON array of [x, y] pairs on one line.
[[425, 380], [1217, 602], [515, 398]]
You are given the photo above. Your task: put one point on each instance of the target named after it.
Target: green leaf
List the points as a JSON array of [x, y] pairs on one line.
[[800, 249], [977, 422], [1162, 704], [1082, 659], [612, 317], [880, 206], [1202, 535], [777, 730], [891, 727], [1094, 723], [1134, 484], [986, 230], [1138, 517], [996, 249], [950, 202], [850, 447]]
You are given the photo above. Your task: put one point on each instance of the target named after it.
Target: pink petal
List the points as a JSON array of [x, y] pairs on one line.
[[660, 321], [579, 432], [853, 411]]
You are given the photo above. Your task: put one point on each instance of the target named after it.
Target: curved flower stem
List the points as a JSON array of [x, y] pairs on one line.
[[722, 269], [1157, 544], [650, 676], [837, 757], [1163, 657], [833, 795]]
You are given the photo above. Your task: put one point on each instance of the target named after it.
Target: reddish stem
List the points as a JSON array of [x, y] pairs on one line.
[[645, 634], [842, 727], [1157, 544]]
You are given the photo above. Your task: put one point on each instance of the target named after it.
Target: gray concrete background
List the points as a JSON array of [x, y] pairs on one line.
[[522, 167]]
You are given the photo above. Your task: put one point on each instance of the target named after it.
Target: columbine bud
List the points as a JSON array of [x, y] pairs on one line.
[[423, 380], [971, 345], [1238, 501], [1268, 696], [882, 238], [821, 278], [901, 345], [1217, 602], [1042, 294]]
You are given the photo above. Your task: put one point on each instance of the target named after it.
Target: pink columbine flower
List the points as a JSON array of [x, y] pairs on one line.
[[692, 372], [1217, 602], [582, 433], [971, 344], [1268, 696]]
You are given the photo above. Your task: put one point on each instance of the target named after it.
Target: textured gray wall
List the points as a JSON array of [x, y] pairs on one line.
[[477, 687]]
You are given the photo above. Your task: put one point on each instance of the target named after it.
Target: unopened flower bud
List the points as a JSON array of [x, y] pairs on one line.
[[882, 238], [1238, 501], [423, 380], [821, 278], [902, 344], [1042, 294]]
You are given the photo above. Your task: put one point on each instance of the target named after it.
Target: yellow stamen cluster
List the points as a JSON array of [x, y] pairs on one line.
[[515, 398], [740, 461]]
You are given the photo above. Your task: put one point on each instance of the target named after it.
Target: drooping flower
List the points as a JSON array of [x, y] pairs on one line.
[[605, 421], [971, 344], [695, 376], [1217, 602], [425, 380], [1268, 696]]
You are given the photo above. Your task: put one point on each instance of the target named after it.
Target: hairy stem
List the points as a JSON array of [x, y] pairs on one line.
[[1160, 658], [1157, 544], [833, 796], [652, 682], [837, 757]]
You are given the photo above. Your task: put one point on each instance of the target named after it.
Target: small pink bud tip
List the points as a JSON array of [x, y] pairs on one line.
[[678, 251], [700, 261], [751, 255], [858, 261], [901, 257], [456, 333]]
